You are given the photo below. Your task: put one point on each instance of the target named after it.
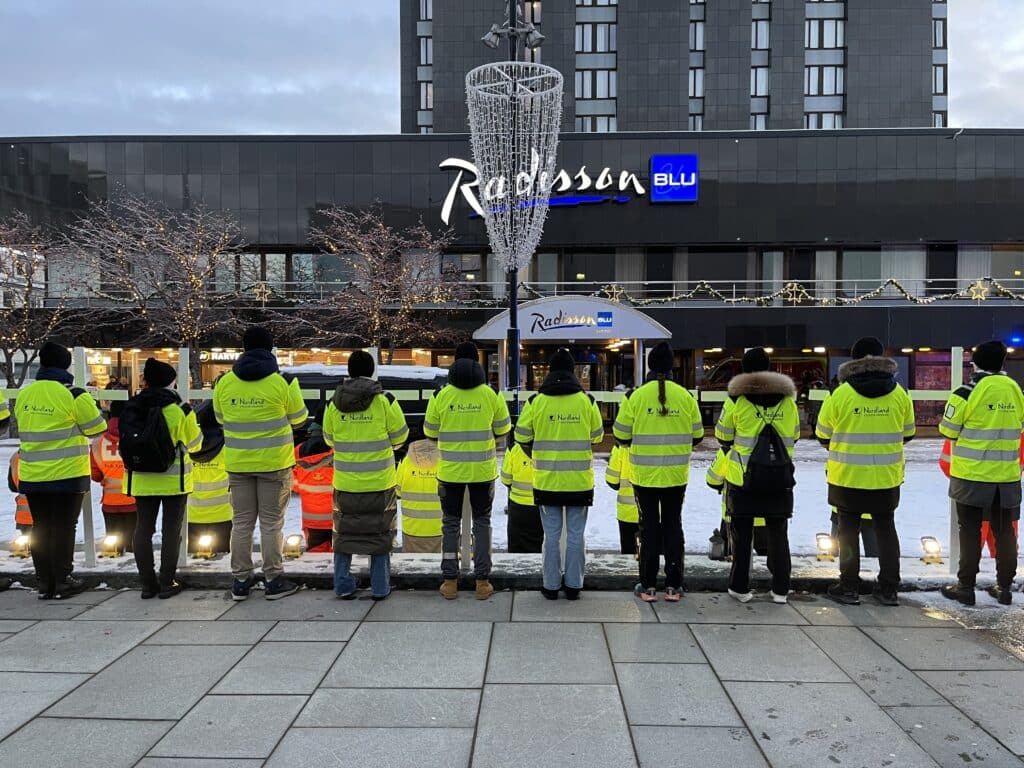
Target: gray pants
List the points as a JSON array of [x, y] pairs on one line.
[[259, 496], [481, 497]]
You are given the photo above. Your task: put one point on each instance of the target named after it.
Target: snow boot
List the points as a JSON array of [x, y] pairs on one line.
[[172, 589], [885, 597], [962, 593], [779, 599], [449, 589], [483, 589], [1003, 594], [743, 597], [550, 594]]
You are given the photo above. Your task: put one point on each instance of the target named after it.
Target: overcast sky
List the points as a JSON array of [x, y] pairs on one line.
[[316, 66]]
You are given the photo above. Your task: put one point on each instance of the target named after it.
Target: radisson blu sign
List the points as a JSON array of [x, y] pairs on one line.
[[673, 179]]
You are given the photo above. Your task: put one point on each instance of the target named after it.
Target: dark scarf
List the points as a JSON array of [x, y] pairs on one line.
[[55, 374]]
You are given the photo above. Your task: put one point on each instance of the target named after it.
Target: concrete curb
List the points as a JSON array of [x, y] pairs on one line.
[[604, 572]]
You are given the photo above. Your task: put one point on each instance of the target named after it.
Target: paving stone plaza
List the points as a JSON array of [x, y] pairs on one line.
[[108, 680]]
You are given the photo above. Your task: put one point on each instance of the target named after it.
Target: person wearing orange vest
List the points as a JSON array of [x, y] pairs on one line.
[[988, 538], [314, 481], [22, 513], [119, 511]]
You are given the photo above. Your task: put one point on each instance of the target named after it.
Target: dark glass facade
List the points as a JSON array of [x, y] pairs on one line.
[[849, 206]]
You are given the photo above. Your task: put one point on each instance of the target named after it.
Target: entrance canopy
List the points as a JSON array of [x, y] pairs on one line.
[[574, 318]]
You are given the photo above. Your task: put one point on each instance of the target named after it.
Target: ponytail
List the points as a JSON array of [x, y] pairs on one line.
[[661, 395]]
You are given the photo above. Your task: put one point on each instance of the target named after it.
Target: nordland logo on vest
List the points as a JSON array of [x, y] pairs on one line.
[[674, 178]]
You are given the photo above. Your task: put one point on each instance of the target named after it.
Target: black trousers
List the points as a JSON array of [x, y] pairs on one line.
[[525, 532], [884, 524], [776, 532], [121, 524], [481, 498], [221, 533], [868, 539], [54, 519], [627, 537], [661, 532], [969, 526], [170, 535]]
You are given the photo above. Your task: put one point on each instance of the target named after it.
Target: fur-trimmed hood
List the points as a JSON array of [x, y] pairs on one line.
[[869, 376], [763, 388]]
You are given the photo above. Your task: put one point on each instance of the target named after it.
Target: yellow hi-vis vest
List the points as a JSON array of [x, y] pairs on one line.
[[741, 424], [659, 446], [185, 432], [617, 474], [865, 437], [517, 475], [5, 413], [55, 424], [210, 500], [417, 490], [364, 444], [258, 417], [465, 422], [984, 420], [716, 479], [562, 430]]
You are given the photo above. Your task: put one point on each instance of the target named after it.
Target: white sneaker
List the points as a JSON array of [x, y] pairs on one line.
[[743, 597], [780, 599]]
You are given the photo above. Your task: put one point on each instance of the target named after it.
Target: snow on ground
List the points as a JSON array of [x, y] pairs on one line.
[[924, 508]]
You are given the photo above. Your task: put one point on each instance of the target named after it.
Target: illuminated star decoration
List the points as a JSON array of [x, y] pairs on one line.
[[793, 292], [979, 291], [262, 293], [615, 293]]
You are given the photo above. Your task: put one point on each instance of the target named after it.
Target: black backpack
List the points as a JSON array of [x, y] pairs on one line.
[[770, 468], [145, 441]]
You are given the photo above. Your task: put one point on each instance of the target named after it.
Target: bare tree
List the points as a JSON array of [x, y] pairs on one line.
[[161, 267], [25, 320], [395, 275]]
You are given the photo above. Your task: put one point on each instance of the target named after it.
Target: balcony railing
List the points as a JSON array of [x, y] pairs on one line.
[[472, 293]]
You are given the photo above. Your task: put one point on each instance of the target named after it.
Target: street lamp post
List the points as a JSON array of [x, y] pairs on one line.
[[515, 113]]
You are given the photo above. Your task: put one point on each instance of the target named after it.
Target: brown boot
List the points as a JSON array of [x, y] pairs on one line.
[[483, 589], [450, 589]]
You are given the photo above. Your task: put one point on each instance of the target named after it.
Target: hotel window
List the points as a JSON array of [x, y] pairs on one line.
[[824, 33], [759, 35], [824, 81], [696, 35], [426, 95], [596, 2], [939, 80], [596, 84], [426, 10], [938, 33], [596, 38], [826, 120], [597, 124], [940, 119], [426, 51], [697, 83], [532, 15], [759, 122], [695, 123], [759, 81]]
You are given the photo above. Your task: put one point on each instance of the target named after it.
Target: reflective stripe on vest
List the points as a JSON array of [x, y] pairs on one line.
[[49, 454], [212, 501], [257, 443], [867, 438], [562, 465], [448, 454], [671, 460], [983, 454], [22, 513], [866, 459], [374, 465], [312, 488]]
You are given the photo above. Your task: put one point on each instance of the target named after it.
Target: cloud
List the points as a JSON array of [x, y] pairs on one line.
[[194, 66], [986, 63]]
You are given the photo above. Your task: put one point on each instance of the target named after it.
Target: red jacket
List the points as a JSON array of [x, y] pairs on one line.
[[314, 481], [108, 470]]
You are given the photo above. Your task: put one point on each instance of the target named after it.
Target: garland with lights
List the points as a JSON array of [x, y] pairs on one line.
[[791, 292]]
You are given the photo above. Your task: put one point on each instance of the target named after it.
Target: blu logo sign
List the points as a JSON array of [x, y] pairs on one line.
[[674, 178]]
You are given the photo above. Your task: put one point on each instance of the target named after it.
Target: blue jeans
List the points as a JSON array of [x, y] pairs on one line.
[[575, 525], [380, 575]]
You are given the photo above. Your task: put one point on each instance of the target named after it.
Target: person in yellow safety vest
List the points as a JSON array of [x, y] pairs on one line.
[[617, 477], [417, 492], [154, 489], [759, 398], [715, 479], [5, 415], [365, 426], [120, 512], [984, 420], [22, 512], [55, 421], [209, 504], [314, 482], [258, 409], [525, 530], [660, 423], [558, 429], [464, 417], [864, 423]]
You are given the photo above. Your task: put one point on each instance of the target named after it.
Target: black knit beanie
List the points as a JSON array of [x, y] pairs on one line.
[[54, 355], [360, 363], [158, 374], [562, 360], [257, 337], [989, 356], [661, 359], [868, 346], [755, 360], [467, 351]]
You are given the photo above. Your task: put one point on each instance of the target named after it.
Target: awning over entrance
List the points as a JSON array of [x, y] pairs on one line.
[[574, 318]]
